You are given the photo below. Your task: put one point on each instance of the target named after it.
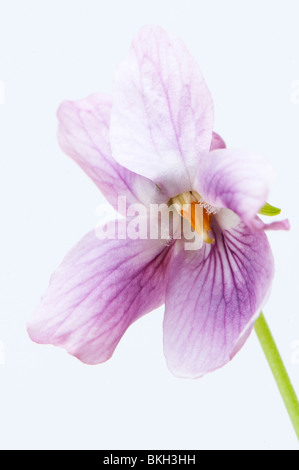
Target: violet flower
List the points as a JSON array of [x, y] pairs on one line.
[[154, 142]]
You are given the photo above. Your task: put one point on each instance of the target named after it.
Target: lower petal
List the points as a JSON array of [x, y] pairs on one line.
[[101, 287], [213, 297]]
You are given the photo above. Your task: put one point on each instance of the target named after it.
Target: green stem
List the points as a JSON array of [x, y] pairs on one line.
[[278, 370]]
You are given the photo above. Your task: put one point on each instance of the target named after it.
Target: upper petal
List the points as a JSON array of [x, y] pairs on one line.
[[217, 142], [162, 115], [101, 287], [213, 297], [235, 179], [83, 134]]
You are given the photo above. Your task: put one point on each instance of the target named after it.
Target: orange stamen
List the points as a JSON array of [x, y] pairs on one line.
[[199, 219]]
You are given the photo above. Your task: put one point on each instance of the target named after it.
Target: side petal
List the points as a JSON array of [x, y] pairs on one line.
[[162, 115], [238, 180], [213, 297], [101, 287], [83, 134], [277, 225]]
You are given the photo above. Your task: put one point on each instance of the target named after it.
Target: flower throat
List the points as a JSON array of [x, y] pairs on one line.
[[196, 211]]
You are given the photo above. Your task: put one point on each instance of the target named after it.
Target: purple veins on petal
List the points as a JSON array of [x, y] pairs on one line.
[[212, 299], [101, 287]]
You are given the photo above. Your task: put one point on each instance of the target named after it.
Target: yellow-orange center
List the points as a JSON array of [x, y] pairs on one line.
[[190, 206]]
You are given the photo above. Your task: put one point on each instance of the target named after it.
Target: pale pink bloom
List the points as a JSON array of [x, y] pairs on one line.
[[151, 142]]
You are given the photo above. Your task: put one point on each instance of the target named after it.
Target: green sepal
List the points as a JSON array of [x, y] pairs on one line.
[[269, 210]]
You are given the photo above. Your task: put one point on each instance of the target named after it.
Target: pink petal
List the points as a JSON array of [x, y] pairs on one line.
[[83, 135], [277, 225], [101, 287], [213, 297], [217, 142], [235, 179], [162, 115]]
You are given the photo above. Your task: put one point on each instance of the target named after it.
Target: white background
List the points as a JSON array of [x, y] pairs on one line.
[[51, 51]]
